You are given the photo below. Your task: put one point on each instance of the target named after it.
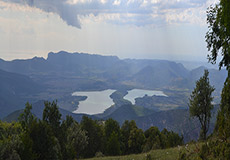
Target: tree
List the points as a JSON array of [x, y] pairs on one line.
[[136, 140], [125, 133], [68, 122], [10, 142], [9, 148], [52, 116], [76, 141], [200, 103], [26, 118], [170, 138], [223, 118], [111, 126], [112, 137], [45, 145], [94, 132], [218, 42], [153, 139], [113, 145], [218, 35]]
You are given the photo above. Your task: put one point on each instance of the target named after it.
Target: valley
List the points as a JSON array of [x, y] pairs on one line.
[[63, 73], [113, 79]]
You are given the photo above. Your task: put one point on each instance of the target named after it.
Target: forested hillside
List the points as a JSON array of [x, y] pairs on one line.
[[51, 138]]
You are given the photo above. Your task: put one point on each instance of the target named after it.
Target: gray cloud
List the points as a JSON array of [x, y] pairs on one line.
[[142, 12]]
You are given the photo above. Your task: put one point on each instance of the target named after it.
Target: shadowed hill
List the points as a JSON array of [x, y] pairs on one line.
[[14, 92], [37, 110]]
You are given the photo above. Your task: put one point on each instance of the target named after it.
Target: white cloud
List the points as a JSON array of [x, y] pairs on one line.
[[103, 1], [117, 2], [135, 12]]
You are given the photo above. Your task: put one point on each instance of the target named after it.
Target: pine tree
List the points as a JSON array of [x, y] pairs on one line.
[[223, 118], [200, 103]]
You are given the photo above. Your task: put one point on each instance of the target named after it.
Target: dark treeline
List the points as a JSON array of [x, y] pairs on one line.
[[52, 138]]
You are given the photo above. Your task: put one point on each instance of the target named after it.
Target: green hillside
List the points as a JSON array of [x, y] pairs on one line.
[[166, 154], [161, 154]]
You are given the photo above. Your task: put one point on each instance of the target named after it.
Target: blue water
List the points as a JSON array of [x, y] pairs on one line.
[[135, 93], [96, 102]]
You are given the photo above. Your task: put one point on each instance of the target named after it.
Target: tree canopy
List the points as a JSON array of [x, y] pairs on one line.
[[54, 138], [200, 103], [218, 35], [223, 118]]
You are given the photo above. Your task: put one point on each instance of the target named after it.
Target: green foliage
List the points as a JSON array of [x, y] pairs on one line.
[[218, 41], [68, 122], [65, 131], [163, 154], [76, 140], [215, 149], [136, 140], [51, 138], [148, 157], [125, 131], [95, 136], [223, 117], [9, 148], [113, 145], [153, 139], [200, 105], [220, 146], [52, 116], [99, 154], [9, 129], [160, 140], [170, 139], [26, 118], [112, 136], [182, 156], [218, 35], [27, 152], [204, 152], [45, 144], [190, 151], [10, 142], [111, 126]]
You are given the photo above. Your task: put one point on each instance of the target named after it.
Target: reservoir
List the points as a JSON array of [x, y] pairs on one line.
[[96, 102], [135, 93]]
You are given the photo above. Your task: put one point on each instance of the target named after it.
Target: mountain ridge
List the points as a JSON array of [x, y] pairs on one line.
[[62, 73]]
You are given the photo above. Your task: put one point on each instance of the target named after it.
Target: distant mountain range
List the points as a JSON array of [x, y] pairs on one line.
[[100, 72], [62, 73]]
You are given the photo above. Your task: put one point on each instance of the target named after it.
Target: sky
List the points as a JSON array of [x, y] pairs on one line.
[[146, 29]]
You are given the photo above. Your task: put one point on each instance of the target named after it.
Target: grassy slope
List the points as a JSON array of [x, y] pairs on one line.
[[161, 154], [167, 154]]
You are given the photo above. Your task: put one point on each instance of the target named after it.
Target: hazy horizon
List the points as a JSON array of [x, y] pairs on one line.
[[189, 64], [136, 29]]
